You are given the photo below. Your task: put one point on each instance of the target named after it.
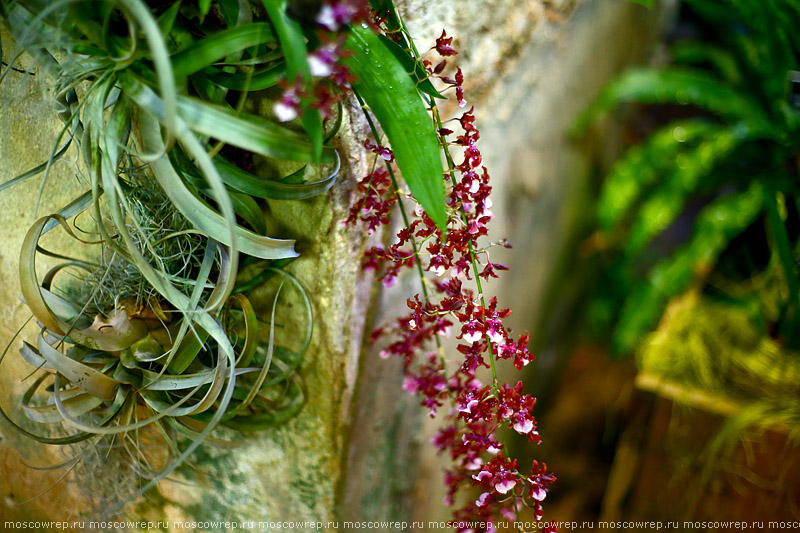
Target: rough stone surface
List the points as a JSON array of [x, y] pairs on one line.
[[28, 134], [358, 450]]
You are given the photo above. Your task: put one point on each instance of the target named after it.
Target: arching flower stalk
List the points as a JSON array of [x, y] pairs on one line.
[[478, 416]]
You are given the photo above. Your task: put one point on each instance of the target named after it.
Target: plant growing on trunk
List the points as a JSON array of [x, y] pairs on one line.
[[161, 333]]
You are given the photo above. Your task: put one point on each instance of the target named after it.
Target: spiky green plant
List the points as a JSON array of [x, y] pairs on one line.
[[736, 157]]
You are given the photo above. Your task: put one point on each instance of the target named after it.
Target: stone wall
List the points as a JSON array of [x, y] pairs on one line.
[[358, 450]]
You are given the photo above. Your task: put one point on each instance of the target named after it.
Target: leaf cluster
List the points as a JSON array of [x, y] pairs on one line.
[[712, 197], [161, 334]]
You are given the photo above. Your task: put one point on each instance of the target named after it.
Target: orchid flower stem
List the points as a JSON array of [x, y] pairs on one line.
[[404, 215], [451, 165], [473, 262]]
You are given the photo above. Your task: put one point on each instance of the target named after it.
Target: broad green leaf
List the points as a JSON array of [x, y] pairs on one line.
[[157, 382], [159, 54], [187, 350], [64, 309], [782, 244], [393, 22], [33, 358], [414, 68], [392, 96]]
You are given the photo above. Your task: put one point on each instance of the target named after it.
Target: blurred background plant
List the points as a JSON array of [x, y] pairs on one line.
[[694, 251], [710, 196]]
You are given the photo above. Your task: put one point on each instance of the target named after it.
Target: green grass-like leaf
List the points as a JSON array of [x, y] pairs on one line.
[[295, 52], [203, 217], [681, 87], [641, 166], [210, 49], [663, 206]]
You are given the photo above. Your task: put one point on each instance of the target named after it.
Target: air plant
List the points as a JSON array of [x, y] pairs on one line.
[[159, 332]]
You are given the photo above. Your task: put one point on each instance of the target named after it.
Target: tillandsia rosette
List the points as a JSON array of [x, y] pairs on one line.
[[150, 326], [444, 245]]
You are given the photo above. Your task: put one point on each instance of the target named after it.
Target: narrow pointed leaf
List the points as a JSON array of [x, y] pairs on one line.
[[83, 376], [249, 132], [717, 224], [248, 183], [663, 206], [640, 168], [251, 81], [677, 86], [75, 406], [290, 35], [208, 50], [204, 218], [393, 98]]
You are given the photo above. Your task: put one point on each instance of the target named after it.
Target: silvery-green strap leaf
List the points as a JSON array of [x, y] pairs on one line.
[[210, 222]]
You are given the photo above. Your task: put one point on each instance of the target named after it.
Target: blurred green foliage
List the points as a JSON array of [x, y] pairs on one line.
[[712, 197]]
